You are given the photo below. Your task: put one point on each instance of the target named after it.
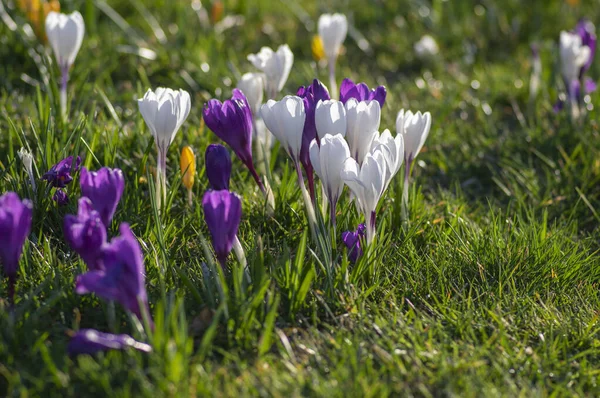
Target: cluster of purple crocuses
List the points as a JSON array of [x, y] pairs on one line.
[[116, 267]]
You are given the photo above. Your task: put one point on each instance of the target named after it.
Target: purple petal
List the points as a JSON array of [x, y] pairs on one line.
[[222, 213], [218, 167], [104, 188], [589, 85], [15, 224], [90, 341], [86, 234]]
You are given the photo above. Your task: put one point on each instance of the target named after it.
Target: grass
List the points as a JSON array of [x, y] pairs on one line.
[[491, 291]]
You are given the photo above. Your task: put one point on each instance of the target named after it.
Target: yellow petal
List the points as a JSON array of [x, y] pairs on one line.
[[187, 163], [318, 51]]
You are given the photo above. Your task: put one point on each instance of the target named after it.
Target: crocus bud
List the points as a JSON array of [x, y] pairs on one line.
[[231, 121], [86, 234], [222, 213], [164, 111], [285, 119], [361, 92], [426, 48], [414, 128], [90, 341], [60, 197], [15, 224], [122, 278], [187, 164], [332, 30], [65, 34], [218, 167], [352, 241], [363, 118], [59, 175], [316, 46], [328, 161], [275, 65], [253, 85], [27, 160], [104, 188], [330, 118]]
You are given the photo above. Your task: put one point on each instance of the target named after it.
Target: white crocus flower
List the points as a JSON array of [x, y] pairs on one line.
[[367, 183], [252, 85], [426, 48], [275, 65], [65, 35], [330, 118], [363, 118], [392, 149], [414, 128], [285, 119], [27, 160], [332, 30], [328, 160], [164, 111]]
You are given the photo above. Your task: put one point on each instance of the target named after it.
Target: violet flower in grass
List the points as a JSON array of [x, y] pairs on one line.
[[15, 224], [361, 92], [104, 188], [86, 234], [352, 241], [122, 276], [90, 341], [218, 167], [311, 95], [222, 213], [59, 175], [231, 121], [60, 197]]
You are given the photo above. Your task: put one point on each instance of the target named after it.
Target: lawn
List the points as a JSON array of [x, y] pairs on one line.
[[490, 288]]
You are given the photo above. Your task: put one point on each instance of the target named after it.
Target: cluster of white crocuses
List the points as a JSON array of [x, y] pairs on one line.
[[349, 150]]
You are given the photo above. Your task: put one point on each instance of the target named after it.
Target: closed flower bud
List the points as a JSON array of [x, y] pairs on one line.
[[187, 163], [285, 119], [332, 29], [276, 66]]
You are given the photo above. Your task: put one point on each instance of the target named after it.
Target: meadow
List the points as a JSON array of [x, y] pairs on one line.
[[490, 288]]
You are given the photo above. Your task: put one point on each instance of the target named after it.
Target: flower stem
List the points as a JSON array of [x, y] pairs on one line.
[[238, 250], [12, 280], [371, 231], [332, 82], [404, 214], [256, 176], [160, 188], [310, 210], [63, 92], [190, 198]]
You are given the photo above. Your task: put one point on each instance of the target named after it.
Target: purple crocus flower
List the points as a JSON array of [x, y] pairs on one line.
[[90, 341], [586, 30], [361, 92], [122, 277], [217, 162], [59, 175], [86, 234], [231, 121], [311, 95], [223, 213], [104, 188], [60, 197], [352, 241], [15, 224]]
